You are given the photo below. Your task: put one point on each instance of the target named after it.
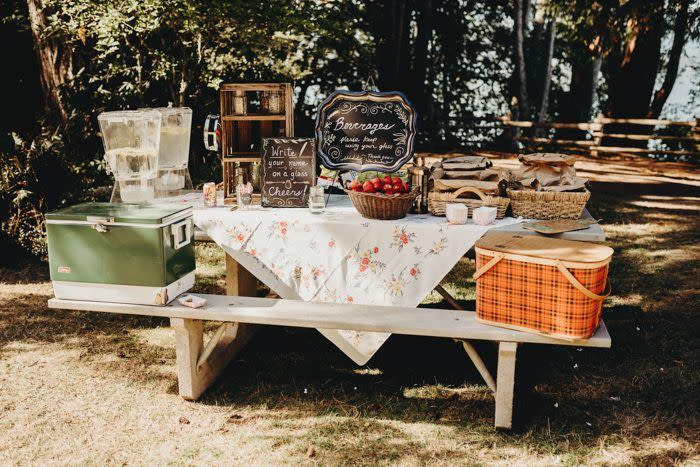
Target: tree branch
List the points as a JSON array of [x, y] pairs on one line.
[[680, 30], [523, 104], [547, 79]]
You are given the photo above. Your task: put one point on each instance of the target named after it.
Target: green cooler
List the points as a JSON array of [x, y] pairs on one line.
[[123, 253]]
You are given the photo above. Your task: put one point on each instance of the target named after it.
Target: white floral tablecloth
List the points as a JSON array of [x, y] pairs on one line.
[[339, 256]]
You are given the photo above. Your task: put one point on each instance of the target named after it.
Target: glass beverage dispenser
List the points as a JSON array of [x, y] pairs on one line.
[[131, 140], [173, 155]]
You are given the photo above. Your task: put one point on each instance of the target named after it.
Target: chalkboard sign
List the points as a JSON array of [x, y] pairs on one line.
[[365, 131], [288, 171]]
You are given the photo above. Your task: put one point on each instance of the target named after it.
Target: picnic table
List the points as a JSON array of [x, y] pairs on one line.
[[355, 280]]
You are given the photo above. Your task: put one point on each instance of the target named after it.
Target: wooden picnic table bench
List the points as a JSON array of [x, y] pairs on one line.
[[198, 364]]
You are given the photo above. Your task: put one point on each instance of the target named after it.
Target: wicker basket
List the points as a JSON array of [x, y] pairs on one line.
[[548, 204], [381, 206], [542, 285], [437, 200]]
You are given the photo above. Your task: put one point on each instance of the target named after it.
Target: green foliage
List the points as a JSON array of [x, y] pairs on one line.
[[32, 178], [136, 53]]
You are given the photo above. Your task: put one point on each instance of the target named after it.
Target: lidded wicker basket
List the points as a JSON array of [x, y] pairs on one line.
[[381, 206], [532, 204], [542, 285], [438, 200]]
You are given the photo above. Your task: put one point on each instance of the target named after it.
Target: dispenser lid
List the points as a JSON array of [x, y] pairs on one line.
[[127, 115], [168, 111]]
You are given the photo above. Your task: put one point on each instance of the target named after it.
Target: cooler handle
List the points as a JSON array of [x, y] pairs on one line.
[[181, 236]]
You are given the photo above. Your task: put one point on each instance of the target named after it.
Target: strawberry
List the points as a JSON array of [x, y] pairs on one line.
[[376, 180], [388, 189], [386, 179], [396, 180], [398, 187], [353, 184], [368, 187], [358, 187]]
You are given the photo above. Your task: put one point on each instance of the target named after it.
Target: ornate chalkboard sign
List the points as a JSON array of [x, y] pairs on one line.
[[288, 171], [365, 131]]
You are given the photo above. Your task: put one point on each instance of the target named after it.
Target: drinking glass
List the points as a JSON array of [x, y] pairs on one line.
[[317, 202]]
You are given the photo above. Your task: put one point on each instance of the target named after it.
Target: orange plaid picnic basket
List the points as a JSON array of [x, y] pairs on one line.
[[539, 284]]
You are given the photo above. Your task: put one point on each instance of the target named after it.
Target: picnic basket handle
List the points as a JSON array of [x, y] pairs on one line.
[[484, 269], [470, 189], [575, 282], [570, 277]]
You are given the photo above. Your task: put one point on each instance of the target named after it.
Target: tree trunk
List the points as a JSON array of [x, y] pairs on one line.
[[577, 104], [527, 6], [390, 24], [420, 61], [631, 71], [583, 89], [55, 63], [521, 76], [547, 75], [680, 29], [632, 68]]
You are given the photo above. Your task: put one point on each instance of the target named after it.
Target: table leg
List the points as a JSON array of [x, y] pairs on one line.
[[198, 365], [448, 298], [468, 347], [505, 384], [239, 281], [479, 364]]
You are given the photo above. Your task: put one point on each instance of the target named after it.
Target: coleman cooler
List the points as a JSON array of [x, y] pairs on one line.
[[123, 253], [539, 284]]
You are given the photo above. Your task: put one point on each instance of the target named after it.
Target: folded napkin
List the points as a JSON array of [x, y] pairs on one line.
[[548, 172]]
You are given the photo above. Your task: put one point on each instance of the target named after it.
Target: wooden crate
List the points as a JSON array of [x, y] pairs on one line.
[[250, 112]]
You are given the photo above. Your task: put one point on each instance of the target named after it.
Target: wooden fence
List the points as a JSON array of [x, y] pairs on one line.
[[626, 137]]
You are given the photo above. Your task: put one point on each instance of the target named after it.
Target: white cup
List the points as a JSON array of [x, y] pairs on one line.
[[457, 213]]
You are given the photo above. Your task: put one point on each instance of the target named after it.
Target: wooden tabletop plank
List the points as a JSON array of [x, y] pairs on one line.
[[398, 320], [593, 233]]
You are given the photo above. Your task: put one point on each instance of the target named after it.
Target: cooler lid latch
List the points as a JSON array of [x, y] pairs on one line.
[[98, 222]]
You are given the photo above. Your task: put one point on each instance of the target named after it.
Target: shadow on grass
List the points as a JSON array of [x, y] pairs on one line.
[[27, 270], [565, 394]]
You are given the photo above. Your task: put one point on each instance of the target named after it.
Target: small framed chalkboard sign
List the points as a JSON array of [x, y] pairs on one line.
[[288, 171], [365, 131]]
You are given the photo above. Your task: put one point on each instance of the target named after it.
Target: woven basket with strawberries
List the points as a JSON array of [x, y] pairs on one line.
[[383, 199]]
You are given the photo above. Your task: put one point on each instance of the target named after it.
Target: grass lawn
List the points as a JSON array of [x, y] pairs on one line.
[[95, 388]]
